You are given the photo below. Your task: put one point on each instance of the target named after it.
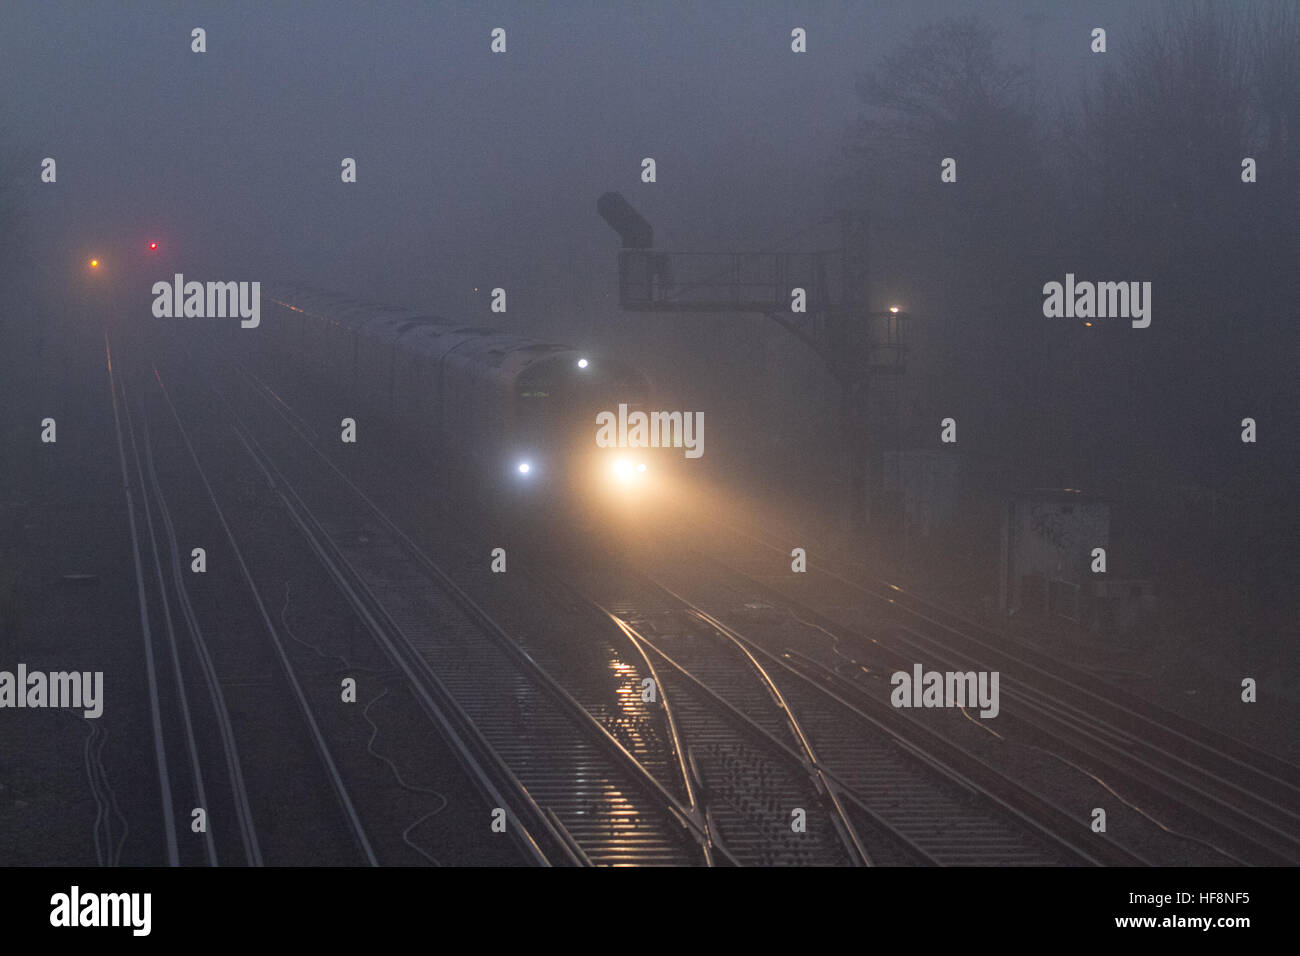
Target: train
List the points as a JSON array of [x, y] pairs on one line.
[[513, 417]]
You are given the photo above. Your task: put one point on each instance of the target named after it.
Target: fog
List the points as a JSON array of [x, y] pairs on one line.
[[478, 170], [473, 169]]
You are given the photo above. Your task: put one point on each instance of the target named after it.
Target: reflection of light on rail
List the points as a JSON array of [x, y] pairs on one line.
[[629, 691]]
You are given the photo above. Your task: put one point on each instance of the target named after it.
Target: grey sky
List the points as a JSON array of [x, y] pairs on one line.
[[474, 170]]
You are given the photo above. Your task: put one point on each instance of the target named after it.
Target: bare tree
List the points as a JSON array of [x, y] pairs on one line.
[[1161, 133], [975, 248], [1159, 192], [946, 93]]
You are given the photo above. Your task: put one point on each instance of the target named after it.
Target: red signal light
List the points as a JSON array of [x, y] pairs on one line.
[[153, 246]]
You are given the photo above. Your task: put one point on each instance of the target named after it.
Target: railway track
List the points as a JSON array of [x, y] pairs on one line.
[[663, 749], [161, 764], [1246, 800], [723, 728], [289, 712], [765, 795], [770, 781], [707, 731], [773, 775], [215, 783], [570, 787], [909, 808]]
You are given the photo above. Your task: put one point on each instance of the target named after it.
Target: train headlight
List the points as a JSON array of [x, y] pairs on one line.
[[525, 468], [625, 470]]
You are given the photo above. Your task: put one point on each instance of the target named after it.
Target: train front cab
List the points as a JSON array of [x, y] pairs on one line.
[[557, 402]]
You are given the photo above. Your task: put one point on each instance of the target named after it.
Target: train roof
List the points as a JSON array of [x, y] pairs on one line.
[[346, 311], [492, 350], [419, 331]]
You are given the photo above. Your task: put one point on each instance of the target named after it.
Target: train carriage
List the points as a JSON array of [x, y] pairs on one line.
[[506, 413]]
